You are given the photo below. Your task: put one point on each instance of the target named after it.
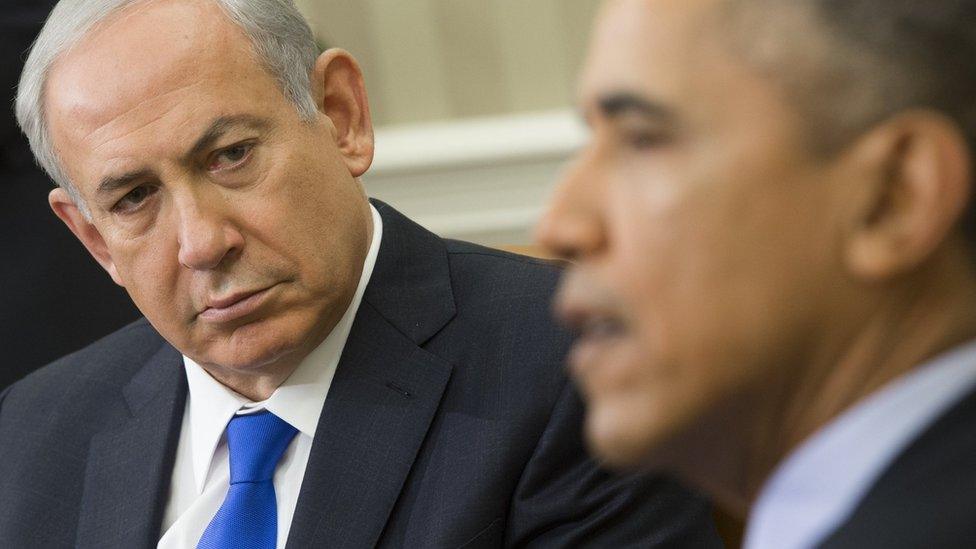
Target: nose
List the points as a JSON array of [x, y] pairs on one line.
[[572, 226], [207, 235]]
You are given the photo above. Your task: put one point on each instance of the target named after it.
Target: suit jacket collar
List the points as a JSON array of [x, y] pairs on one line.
[[384, 396], [130, 464], [411, 282]]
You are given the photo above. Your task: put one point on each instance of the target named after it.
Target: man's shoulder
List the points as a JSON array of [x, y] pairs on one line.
[[505, 297], [482, 269], [503, 324], [106, 364]]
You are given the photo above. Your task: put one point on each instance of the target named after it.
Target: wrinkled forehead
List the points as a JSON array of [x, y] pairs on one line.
[[140, 60]]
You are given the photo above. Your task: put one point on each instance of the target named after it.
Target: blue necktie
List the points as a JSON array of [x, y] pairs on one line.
[[248, 518]]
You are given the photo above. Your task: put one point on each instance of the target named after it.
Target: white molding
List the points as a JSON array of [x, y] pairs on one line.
[[484, 180]]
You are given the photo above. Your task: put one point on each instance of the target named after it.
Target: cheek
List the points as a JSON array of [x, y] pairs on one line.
[[154, 283], [722, 280], [286, 214], [310, 223], [684, 261], [658, 263]]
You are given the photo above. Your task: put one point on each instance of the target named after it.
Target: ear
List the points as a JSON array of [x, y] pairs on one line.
[[66, 210], [919, 170], [340, 94]]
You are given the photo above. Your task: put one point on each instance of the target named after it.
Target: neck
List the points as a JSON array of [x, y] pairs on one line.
[[743, 440]]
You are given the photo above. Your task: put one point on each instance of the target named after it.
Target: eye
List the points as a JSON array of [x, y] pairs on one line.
[[231, 157], [645, 140], [133, 200]]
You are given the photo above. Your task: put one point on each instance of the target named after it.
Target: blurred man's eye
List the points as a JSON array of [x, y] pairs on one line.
[[645, 139], [133, 200], [231, 157]]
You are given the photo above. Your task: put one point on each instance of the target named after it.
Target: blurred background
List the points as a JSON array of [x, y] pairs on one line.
[[472, 102]]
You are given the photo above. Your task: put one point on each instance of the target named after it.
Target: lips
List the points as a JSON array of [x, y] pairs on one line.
[[225, 302], [596, 331], [601, 327], [234, 306], [594, 314], [588, 309]]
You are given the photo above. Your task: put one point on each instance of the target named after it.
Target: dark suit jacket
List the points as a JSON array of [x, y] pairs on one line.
[[449, 423], [927, 497]]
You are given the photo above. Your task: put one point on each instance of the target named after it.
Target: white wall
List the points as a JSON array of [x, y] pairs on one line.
[[472, 100], [483, 180], [448, 59]]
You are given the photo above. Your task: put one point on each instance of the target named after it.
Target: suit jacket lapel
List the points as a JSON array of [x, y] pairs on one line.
[[130, 465], [384, 396]]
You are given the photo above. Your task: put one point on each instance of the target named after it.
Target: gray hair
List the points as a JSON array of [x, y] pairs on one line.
[[280, 36]]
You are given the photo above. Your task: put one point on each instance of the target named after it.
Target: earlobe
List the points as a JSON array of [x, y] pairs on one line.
[[340, 93], [68, 212], [919, 172]]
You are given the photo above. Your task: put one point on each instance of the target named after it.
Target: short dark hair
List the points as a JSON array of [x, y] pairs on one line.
[[855, 63], [925, 52]]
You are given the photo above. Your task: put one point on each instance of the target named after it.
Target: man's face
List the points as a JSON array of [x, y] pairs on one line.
[[699, 226], [237, 228]]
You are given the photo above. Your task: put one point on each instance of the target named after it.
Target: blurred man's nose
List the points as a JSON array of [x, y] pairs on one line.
[[207, 234], [571, 226]]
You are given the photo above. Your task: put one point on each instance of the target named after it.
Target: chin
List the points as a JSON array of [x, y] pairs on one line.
[[618, 437], [271, 338], [250, 352]]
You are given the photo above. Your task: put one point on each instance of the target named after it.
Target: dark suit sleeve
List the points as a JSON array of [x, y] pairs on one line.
[[564, 499]]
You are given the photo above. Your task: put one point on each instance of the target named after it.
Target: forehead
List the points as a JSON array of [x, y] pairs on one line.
[[166, 60], [682, 55], [659, 44]]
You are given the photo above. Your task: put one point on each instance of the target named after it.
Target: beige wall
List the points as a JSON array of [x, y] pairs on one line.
[[430, 60]]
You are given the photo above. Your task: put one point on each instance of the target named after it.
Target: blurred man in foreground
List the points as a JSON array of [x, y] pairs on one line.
[[774, 281], [314, 369]]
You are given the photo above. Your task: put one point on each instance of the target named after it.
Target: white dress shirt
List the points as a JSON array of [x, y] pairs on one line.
[[201, 474], [816, 488]]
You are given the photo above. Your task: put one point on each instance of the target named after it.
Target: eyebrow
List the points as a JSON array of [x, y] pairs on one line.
[[112, 183], [618, 104], [217, 129], [222, 125]]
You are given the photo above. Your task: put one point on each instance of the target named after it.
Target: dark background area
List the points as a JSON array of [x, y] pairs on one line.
[[54, 298]]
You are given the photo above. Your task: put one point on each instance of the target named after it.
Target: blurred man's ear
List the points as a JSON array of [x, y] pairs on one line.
[[918, 170], [340, 94], [66, 209]]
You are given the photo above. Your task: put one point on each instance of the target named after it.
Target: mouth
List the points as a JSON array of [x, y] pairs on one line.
[[595, 334], [235, 306], [598, 330]]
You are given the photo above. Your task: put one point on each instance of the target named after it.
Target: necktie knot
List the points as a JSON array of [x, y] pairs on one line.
[[256, 443]]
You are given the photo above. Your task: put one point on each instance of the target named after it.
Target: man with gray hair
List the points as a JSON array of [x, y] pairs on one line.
[[313, 369], [774, 275]]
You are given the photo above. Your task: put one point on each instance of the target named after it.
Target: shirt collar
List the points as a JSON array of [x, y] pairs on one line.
[[820, 483], [298, 400]]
